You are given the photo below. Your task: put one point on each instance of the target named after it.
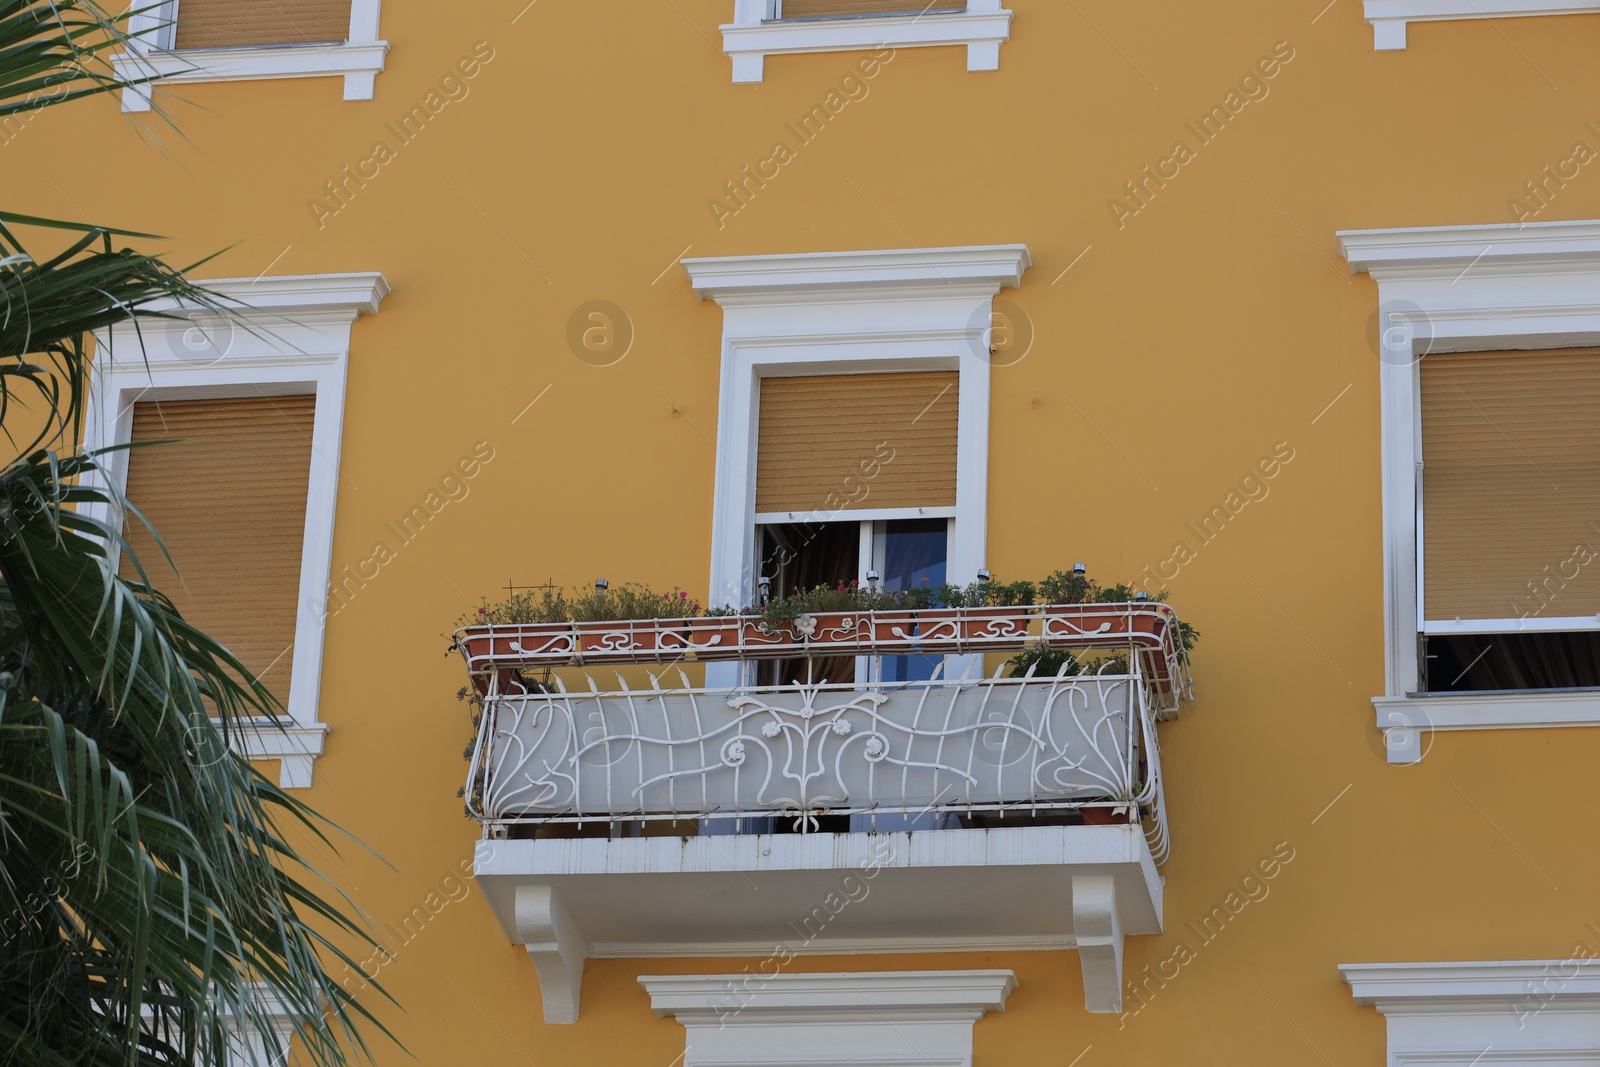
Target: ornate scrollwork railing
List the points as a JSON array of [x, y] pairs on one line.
[[950, 748]]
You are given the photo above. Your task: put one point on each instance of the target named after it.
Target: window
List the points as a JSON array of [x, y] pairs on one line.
[[817, 1020], [246, 503], [871, 316], [832, 9], [778, 27], [1536, 1013], [228, 498], [242, 23], [1389, 17], [1510, 492], [246, 40], [1487, 340]]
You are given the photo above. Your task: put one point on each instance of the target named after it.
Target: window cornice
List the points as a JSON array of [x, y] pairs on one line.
[[937, 270], [889, 1018], [1390, 17], [1448, 251], [1533, 1012]]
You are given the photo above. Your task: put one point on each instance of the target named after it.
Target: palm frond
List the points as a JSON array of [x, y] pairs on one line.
[[163, 889], [56, 51]]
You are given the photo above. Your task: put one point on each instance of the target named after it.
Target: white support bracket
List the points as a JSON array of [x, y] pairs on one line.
[[558, 953], [1098, 930]]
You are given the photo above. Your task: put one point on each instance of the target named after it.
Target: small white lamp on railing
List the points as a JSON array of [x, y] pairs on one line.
[[601, 585], [766, 588], [1080, 568], [872, 580], [984, 574]]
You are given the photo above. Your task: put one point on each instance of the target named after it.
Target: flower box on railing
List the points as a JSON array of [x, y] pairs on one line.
[[1148, 630]]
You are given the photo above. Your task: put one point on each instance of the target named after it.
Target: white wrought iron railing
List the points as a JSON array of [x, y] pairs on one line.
[[1028, 746]]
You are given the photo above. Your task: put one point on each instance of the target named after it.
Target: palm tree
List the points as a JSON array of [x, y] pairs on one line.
[[150, 900]]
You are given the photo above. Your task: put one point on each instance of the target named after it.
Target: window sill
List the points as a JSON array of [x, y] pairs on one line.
[[748, 44], [1389, 17], [296, 745], [358, 64], [1405, 719]]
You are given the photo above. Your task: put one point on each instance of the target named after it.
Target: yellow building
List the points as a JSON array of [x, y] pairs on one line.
[[699, 292]]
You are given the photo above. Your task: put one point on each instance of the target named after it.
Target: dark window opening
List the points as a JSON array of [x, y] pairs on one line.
[[1462, 663], [798, 556]]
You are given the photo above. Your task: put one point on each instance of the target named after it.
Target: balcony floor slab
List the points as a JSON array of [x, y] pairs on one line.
[[819, 894]]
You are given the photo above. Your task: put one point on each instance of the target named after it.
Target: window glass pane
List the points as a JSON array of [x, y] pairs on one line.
[[915, 552]]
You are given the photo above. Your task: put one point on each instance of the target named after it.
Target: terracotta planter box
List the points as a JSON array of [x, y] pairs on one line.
[[619, 635], [846, 628], [1149, 621], [894, 627], [1106, 817], [997, 624], [753, 634], [483, 644], [707, 637], [938, 624], [536, 639]]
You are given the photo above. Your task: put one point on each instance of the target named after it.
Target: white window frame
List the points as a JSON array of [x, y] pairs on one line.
[[1390, 17], [756, 33], [867, 1019], [895, 311], [1535, 1013], [290, 336], [870, 557], [1462, 289], [252, 1047], [358, 59]]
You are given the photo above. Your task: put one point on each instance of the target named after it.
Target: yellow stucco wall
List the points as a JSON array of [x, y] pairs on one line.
[[1212, 325]]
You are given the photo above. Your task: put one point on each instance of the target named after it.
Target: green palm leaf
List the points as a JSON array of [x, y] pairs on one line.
[[149, 893]]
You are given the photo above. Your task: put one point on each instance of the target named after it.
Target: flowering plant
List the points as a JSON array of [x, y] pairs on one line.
[[632, 600]]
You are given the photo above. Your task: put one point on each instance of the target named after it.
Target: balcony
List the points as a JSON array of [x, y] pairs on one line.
[[965, 812]]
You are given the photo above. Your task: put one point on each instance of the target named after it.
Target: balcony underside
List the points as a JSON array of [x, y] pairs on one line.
[[782, 895]]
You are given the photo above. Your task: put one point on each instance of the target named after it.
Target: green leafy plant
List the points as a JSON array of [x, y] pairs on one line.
[[152, 893], [637, 601], [632, 600]]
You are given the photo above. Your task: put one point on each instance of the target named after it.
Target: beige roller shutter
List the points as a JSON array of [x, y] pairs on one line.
[[1511, 484], [853, 441], [811, 9], [230, 23], [230, 503]]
